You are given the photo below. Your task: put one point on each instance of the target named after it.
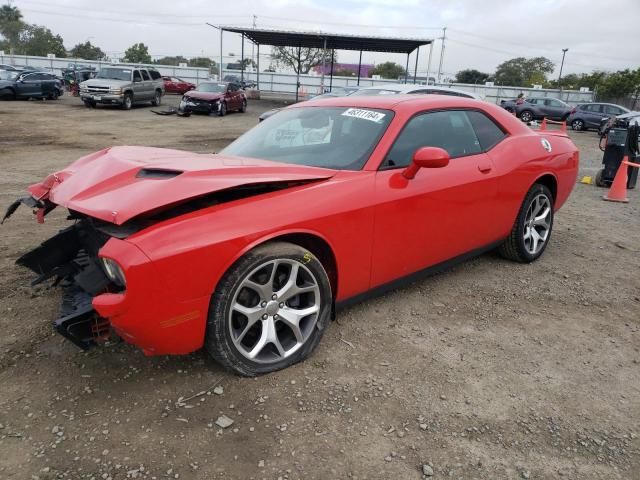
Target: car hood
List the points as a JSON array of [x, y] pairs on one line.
[[105, 82], [119, 183], [209, 96], [6, 83]]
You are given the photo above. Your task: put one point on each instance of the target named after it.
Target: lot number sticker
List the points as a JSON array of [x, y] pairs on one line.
[[364, 114]]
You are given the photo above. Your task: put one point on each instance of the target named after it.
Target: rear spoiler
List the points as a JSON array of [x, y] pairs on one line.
[[561, 133]]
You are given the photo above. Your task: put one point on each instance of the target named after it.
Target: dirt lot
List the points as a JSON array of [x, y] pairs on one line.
[[491, 370]]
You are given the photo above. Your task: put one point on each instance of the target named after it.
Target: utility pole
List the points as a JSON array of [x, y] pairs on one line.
[[443, 38], [564, 52]]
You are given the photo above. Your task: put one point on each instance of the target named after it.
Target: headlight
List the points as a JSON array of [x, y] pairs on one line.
[[117, 91], [113, 271]]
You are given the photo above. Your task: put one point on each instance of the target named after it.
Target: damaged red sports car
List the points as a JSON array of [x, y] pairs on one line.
[[249, 252]]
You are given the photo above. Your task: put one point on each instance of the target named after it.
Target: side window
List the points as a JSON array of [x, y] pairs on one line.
[[532, 101], [610, 110], [145, 75], [450, 130], [487, 131], [154, 75], [136, 76]]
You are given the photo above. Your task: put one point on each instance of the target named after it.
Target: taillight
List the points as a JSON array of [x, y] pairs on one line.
[[574, 110]]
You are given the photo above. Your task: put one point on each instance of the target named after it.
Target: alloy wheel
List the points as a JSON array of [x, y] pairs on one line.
[[274, 310], [537, 224]]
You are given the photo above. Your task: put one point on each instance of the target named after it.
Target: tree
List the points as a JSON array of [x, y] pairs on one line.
[[388, 70], [204, 62], [472, 75], [40, 41], [523, 72], [344, 72], [173, 61], [620, 84], [137, 53], [87, 51], [11, 25], [288, 57]]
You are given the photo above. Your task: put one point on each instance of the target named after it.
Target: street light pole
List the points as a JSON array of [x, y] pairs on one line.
[[564, 52]]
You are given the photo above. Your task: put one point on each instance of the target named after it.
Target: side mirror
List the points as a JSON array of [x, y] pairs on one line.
[[426, 157]]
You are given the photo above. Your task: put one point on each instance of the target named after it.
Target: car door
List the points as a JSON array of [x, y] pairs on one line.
[[232, 99], [592, 115], [441, 213], [138, 85], [29, 85], [554, 109], [147, 85]]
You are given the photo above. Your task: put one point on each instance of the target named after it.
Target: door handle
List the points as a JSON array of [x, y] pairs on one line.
[[485, 167]]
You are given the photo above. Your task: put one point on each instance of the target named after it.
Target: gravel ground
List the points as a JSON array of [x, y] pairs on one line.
[[491, 370]]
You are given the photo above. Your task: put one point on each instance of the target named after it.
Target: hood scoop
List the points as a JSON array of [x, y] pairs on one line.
[[158, 173]]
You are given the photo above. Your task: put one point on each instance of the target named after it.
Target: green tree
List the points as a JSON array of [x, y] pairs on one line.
[[288, 57], [173, 61], [620, 84], [471, 75], [388, 70], [523, 72], [137, 53], [87, 51], [344, 72], [11, 26], [40, 41], [204, 62]]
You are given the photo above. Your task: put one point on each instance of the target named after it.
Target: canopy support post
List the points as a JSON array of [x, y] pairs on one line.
[[331, 74], [298, 74], [359, 67], [242, 61], [406, 70], [429, 62], [324, 65], [258, 69], [415, 70]]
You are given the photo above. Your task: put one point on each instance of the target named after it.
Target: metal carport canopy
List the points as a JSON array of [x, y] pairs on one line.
[[282, 38]]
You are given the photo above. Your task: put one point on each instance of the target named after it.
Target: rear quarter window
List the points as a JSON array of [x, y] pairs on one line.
[[154, 75], [487, 131]]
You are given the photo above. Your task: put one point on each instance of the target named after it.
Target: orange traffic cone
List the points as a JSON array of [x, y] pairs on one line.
[[618, 190], [543, 125]]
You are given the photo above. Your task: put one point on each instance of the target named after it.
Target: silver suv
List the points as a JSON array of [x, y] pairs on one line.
[[124, 86]]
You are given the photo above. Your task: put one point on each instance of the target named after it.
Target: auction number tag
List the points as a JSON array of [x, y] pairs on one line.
[[364, 114]]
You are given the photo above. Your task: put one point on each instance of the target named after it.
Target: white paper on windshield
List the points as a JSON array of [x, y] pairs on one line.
[[364, 114]]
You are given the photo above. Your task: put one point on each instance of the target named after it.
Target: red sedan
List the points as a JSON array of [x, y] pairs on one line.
[[248, 252], [177, 85]]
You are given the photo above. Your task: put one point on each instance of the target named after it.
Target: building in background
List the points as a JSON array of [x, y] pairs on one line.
[[343, 68]]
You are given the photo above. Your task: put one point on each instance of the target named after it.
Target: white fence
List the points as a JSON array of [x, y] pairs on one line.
[[286, 82], [55, 65]]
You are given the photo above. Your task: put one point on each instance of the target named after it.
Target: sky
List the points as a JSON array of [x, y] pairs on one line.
[[480, 34]]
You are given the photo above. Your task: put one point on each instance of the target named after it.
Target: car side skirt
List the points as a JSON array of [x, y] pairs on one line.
[[410, 279]]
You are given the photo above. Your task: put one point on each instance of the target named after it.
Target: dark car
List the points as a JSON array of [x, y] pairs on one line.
[[214, 97], [30, 85], [242, 83], [539, 108], [177, 85], [590, 115]]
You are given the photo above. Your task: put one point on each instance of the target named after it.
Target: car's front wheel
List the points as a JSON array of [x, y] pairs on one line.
[[222, 110], [269, 311], [532, 228], [243, 107], [127, 102]]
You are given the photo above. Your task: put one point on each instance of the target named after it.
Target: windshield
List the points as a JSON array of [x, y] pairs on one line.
[[212, 87], [115, 73], [374, 91], [340, 138]]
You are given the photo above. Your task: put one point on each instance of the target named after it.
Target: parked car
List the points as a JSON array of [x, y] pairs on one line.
[[236, 79], [177, 85], [620, 121], [124, 86], [214, 97], [249, 252], [335, 92], [539, 108], [5, 66], [30, 84], [398, 88], [590, 115]]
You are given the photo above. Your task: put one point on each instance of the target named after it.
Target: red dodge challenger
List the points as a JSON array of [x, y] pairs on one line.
[[250, 251]]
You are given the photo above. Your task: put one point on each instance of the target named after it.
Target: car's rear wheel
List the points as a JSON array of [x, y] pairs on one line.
[[157, 98], [269, 311], [526, 116], [532, 228], [127, 102], [577, 125]]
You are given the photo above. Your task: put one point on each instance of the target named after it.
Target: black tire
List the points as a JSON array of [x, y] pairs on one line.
[[599, 182], [243, 107], [127, 102], [54, 95], [89, 104], [157, 99], [526, 116], [223, 109], [218, 337], [577, 125], [7, 94], [513, 248]]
